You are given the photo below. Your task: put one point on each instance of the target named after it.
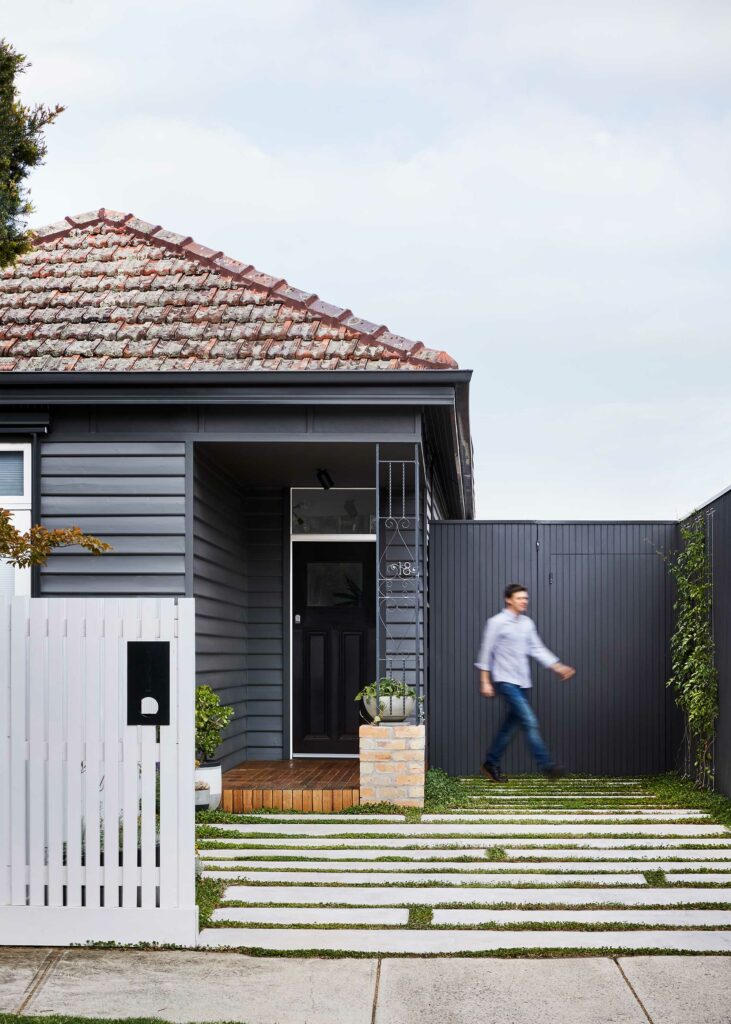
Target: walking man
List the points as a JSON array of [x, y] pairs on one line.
[[508, 639]]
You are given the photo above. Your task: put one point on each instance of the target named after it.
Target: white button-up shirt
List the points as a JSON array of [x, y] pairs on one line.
[[507, 642]]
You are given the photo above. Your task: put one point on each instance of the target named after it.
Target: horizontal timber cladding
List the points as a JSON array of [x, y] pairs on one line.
[[264, 514], [601, 599], [219, 574], [131, 494], [238, 585]]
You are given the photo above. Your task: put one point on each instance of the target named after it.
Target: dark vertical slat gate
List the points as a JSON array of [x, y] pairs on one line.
[[601, 601]]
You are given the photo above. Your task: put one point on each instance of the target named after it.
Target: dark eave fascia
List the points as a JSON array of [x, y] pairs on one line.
[[287, 387]]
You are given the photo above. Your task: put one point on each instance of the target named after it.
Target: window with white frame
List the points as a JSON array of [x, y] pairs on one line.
[[15, 495]]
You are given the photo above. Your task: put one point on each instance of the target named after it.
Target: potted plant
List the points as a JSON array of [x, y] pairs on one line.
[[390, 701], [211, 718]]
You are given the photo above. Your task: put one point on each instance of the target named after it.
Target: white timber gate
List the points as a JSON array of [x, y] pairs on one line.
[[96, 815]]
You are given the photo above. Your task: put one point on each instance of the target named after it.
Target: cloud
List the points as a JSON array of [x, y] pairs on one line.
[[542, 189]]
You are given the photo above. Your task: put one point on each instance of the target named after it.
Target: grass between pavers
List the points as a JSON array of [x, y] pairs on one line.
[[208, 895], [210, 844], [422, 922], [506, 953], [503, 905], [420, 917], [653, 876], [210, 832], [479, 859], [677, 792], [657, 877], [498, 882]]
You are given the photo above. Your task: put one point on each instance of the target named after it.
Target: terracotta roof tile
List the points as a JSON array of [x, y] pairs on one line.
[[108, 292]]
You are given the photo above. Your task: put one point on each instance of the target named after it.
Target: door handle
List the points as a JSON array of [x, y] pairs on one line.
[[297, 620]]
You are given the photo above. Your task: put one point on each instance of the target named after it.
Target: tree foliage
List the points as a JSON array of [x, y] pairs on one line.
[[22, 147], [36, 545], [694, 677]]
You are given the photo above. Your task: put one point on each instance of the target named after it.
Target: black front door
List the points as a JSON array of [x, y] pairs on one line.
[[333, 642]]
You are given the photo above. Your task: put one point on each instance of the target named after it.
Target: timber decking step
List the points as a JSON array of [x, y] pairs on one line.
[[443, 941], [393, 895]]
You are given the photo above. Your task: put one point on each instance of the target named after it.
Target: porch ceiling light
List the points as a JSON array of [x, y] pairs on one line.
[[324, 478]]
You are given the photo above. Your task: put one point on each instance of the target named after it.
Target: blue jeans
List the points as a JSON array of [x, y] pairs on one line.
[[520, 714]]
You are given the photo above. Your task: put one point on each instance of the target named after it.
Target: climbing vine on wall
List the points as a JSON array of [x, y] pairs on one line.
[[694, 678]]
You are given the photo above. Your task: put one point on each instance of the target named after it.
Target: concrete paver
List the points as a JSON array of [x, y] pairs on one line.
[[476, 828], [480, 864], [393, 895], [718, 854], [572, 991], [193, 986], [605, 842], [669, 918], [314, 915], [434, 878], [682, 989], [446, 941]]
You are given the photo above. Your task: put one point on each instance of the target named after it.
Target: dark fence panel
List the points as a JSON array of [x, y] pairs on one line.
[[601, 599]]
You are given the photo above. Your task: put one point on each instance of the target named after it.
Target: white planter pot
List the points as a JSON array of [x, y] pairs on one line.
[[211, 773], [202, 796], [392, 709]]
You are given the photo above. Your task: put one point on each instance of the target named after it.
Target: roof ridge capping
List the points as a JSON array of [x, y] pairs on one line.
[[251, 277]]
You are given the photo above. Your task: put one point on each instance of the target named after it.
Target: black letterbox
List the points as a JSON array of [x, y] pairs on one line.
[[148, 682]]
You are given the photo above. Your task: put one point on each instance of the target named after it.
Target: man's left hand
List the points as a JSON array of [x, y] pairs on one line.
[[564, 672]]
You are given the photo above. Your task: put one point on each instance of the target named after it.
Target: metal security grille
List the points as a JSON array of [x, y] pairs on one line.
[[399, 569]]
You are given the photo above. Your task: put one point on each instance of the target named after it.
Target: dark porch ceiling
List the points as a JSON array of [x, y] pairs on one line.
[[272, 464]]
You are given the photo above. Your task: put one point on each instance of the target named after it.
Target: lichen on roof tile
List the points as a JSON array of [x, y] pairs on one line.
[[107, 292]]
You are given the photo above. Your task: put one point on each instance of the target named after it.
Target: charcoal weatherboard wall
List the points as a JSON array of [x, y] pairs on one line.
[[219, 558], [132, 494], [238, 586], [601, 600]]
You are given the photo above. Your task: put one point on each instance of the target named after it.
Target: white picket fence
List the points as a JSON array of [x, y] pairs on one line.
[[83, 853]]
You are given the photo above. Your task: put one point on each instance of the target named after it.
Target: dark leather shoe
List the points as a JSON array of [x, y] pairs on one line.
[[554, 772], [493, 773]]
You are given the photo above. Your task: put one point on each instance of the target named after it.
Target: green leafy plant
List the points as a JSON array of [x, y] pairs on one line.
[[388, 688], [694, 677], [211, 718]]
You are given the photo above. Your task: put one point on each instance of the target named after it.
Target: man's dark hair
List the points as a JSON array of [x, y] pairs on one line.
[[514, 588]]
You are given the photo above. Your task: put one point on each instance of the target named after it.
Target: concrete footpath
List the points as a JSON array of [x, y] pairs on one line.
[[205, 986]]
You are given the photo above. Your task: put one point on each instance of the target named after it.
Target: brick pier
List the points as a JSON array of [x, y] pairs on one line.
[[392, 764]]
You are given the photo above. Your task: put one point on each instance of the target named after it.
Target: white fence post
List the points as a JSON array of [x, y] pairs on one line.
[[86, 852]]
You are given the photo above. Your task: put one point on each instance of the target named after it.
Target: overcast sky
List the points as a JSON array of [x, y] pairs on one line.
[[542, 189]]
